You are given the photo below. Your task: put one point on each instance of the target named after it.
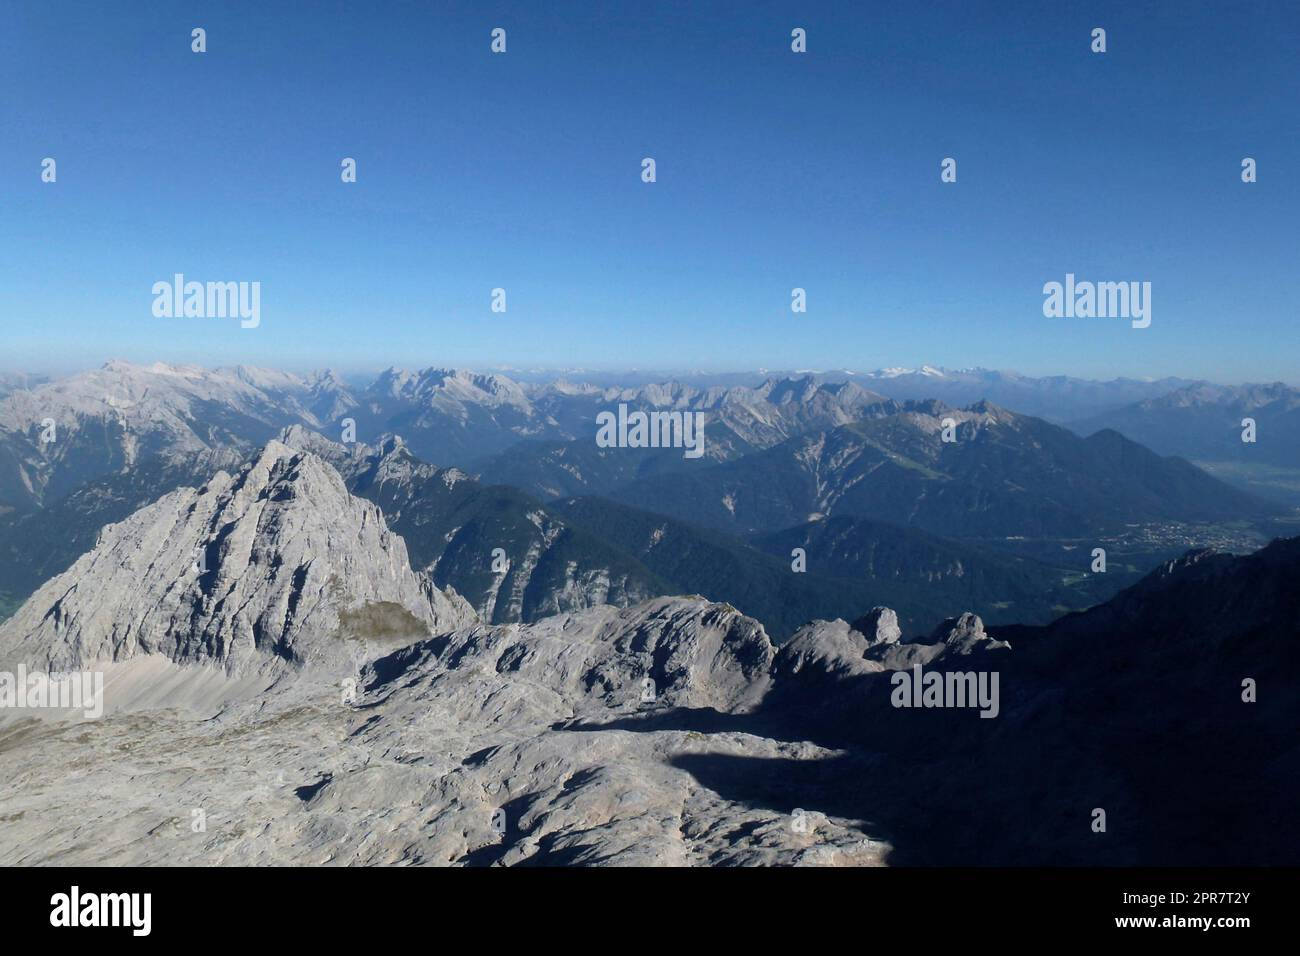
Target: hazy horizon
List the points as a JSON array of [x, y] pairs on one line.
[[58, 367], [634, 375]]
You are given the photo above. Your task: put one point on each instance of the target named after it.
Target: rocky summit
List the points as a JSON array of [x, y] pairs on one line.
[[276, 564]]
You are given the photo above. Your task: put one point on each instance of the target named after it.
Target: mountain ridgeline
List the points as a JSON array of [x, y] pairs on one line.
[[901, 502], [1000, 475], [514, 558]]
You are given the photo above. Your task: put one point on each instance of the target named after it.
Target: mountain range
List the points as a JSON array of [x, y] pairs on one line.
[[928, 526], [1057, 398], [1000, 475], [1204, 422], [109, 417]]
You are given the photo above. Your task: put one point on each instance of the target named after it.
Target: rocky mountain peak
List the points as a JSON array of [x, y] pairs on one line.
[[301, 439], [965, 633], [879, 626], [990, 413], [277, 564]]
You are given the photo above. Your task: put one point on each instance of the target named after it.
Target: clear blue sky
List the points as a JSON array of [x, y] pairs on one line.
[[775, 170]]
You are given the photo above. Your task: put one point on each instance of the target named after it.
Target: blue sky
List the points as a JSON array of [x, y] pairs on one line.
[[775, 170]]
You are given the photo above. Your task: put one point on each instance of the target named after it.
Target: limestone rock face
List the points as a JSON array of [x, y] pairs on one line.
[[879, 626], [678, 652], [275, 563], [453, 525], [825, 651], [536, 743]]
